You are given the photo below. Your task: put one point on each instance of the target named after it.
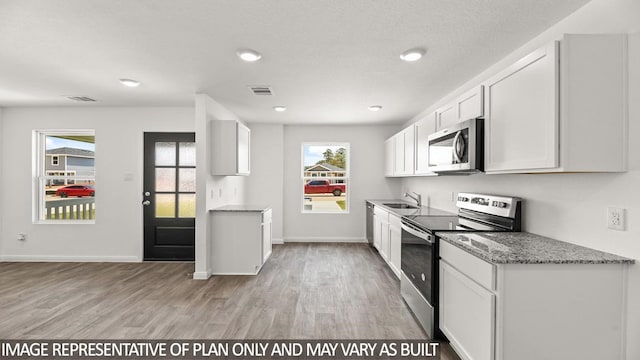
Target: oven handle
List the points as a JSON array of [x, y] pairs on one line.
[[418, 233]]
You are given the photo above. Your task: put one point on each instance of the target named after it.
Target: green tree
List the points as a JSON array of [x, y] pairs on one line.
[[336, 159]]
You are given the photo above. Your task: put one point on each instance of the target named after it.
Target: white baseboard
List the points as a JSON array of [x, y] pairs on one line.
[[277, 241], [201, 275], [320, 239], [54, 258]]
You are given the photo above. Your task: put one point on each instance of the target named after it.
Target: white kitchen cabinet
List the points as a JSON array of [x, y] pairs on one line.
[[240, 241], [267, 234], [230, 148], [447, 116], [559, 109], [387, 237], [389, 151], [395, 240], [467, 106], [382, 219], [498, 311], [409, 149], [462, 299], [402, 152], [424, 128], [398, 169]]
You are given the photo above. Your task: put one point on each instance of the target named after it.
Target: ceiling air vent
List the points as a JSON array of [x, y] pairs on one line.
[[261, 90], [81, 98]]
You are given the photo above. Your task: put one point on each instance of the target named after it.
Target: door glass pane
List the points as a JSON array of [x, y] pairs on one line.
[[187, 180], [165, 205], [165, 153], [187, 205], [187, 154], [165, 179]]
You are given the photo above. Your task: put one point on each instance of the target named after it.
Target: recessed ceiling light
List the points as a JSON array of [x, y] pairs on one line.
[[279, 108], [249, 55], [130, 82], [414, 54], [375, 107]]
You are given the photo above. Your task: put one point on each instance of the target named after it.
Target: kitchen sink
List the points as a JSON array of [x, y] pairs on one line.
[[400, 206]]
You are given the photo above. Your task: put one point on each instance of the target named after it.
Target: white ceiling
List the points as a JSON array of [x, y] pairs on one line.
[[326, 60]]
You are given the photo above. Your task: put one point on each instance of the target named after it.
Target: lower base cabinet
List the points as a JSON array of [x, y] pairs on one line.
[[531, 311], [386, 238], [240, 241]]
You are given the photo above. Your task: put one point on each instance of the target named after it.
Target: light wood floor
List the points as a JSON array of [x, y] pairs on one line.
[[304, 291]]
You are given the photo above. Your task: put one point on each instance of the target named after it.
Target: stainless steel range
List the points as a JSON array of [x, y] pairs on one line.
[[419, 263]]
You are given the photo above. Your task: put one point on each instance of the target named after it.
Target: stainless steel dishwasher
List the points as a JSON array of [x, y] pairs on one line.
[[370, 223]]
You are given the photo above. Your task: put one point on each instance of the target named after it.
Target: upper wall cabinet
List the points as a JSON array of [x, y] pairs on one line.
[[559, 109], [424, 128], [389, 159], [467, 106], [230, 148], [400, 153]]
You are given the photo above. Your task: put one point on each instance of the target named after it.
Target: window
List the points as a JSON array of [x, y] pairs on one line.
[[65, 190], [325, 178]]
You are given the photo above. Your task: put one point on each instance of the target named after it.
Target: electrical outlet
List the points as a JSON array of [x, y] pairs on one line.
[[615, 218], [22, 237]]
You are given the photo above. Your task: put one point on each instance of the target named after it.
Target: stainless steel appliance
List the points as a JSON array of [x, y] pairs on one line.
[[419, 249], [458, 148], [369, 223]]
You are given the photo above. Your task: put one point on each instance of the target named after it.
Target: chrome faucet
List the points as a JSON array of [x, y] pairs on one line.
[[417, 198]]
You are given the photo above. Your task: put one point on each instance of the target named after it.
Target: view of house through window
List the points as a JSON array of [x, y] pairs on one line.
[[66, 176], [325, 175]]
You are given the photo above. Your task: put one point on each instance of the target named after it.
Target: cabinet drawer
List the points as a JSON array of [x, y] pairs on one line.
[[475, 268]]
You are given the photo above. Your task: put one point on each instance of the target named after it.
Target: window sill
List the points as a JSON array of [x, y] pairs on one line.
[[64, 222]]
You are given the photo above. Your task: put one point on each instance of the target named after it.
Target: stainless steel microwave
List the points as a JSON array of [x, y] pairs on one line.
[[458, 149]]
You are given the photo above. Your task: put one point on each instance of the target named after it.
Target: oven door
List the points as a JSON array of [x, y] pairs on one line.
[[418, 259], [457, 148], [418, 281]]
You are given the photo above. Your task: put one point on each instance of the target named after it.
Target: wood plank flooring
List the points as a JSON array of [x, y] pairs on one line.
[[304, 291]]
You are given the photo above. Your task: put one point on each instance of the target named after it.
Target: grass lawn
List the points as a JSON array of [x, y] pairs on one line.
[[342, 204]]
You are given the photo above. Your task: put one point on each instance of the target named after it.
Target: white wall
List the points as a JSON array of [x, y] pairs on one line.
[[117, 234], [265, 185], [1, 184], [367, 181], [572, 207], [211, 191]]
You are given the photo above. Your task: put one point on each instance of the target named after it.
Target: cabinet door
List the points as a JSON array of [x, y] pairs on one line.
[[470, 105], [409, 149], [384, 240], [447, 115], [521, 114], [423, 129], [395, 241], [467, 314], [376, 232], [244, 150], [399, 154], [389, 152]]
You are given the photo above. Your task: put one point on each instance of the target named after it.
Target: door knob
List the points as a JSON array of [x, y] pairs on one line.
[[146, 203]]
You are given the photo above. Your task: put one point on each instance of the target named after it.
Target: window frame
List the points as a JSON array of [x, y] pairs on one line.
[[346, 179], [40, 175], [55, 160]]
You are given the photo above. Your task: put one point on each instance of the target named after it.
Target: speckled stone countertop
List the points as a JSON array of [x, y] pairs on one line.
[[242, 208], [526, 248], [422, 211]]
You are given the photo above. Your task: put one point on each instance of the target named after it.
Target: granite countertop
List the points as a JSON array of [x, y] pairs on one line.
[[422, 211], [526, 248], [242, 208]]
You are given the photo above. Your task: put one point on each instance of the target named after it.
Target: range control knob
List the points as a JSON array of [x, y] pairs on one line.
[[463, 199], [499, 204]]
